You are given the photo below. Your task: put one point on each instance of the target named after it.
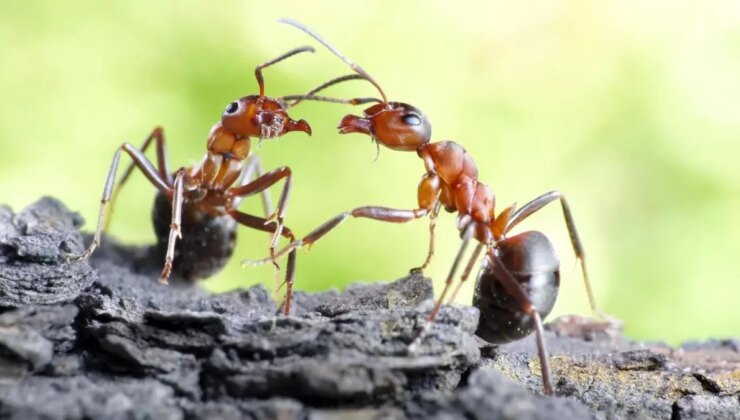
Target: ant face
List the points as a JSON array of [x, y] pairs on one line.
[[262, 117], [396, 125]]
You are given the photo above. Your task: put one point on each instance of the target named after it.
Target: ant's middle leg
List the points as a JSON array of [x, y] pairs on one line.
[[141, 162], [537, 204], [468, 230], [468, 269], [467, 234]]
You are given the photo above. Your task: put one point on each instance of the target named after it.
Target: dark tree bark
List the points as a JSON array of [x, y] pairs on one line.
[[108, 341]]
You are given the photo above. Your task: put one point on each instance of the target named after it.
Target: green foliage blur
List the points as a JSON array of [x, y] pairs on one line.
[[631, 108]]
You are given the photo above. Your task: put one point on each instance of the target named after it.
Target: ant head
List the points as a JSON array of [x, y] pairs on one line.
[[260, 116], [396, 125]]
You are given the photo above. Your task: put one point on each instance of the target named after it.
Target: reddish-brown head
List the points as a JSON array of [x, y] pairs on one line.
[[395, 125], [262, 117]]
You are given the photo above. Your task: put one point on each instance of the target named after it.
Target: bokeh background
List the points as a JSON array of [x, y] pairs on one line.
[[631, 108]]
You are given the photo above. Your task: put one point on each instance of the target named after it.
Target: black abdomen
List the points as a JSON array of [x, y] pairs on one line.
[[531, 259], [207, 242]]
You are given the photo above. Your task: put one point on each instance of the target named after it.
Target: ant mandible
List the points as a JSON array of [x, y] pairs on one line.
[[519, 278], [202, 201]]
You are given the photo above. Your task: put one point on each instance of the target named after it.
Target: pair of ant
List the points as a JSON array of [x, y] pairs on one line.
[[518, 280]]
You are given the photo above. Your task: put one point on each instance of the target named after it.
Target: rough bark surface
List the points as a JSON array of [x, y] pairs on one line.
[[108, 341]]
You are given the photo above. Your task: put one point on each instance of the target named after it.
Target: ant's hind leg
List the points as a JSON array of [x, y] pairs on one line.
[[163, 168], [513, 288], [537, 204], [149, 171]]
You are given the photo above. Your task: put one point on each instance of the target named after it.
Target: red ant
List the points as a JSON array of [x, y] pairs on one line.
[[202, 201], [519, 278]]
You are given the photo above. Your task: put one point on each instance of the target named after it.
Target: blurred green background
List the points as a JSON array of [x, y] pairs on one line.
[[631, 108]]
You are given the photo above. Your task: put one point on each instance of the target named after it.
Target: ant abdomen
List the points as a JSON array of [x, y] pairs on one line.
[[532, 261], [207, 241]]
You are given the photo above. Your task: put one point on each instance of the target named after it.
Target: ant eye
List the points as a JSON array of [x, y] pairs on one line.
[[411, 119], [232, 108]]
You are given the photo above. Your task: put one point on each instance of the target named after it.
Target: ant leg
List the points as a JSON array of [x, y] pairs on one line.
[[537, 204], [262, 224], [141, 161], [259, 223], [175, 231], [254, 166], [467, 234], [262, 183], [468, 269], [432, 226], [258, 70], [504, 277], [289, 275], [162, 165], [382, 214]]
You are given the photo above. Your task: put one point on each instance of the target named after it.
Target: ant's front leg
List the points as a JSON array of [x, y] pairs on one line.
[[141, 162], [383, 214], [432, 226], [428, 194], [252, 170], [262, 183], [260, 223], [428, 197]]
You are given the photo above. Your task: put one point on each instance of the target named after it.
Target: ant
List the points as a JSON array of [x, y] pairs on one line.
[[519, 277], [201, 201]]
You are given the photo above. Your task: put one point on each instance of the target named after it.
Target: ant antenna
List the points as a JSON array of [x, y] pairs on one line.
[[359, 70], [311, 94], [258, 70], [354, 101]]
